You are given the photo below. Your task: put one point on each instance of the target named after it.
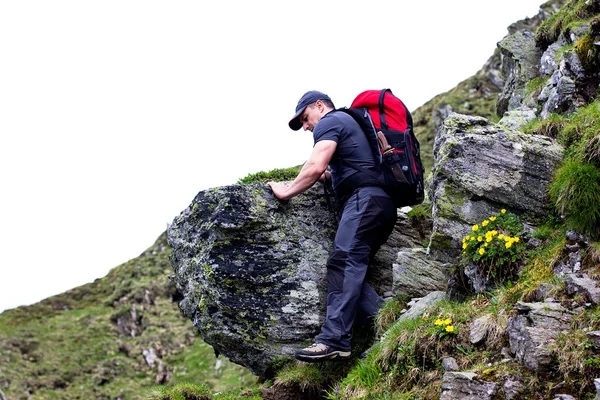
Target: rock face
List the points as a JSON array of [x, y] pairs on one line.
[[252, 269], [533, 330], [481, 168], [520, 64], [466, 386], [416, 274], [423, 305]]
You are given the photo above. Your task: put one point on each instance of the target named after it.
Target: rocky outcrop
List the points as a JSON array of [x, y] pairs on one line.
[[422, 305], [416, 274], [520, 64], [466, 386], [533, 331], [252, 269], [584, 285], [481, 168]]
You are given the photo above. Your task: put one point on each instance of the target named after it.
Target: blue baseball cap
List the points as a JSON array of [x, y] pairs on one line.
[[308, 98]]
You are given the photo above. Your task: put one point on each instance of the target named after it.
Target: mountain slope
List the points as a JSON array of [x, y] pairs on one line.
[[113, 338]]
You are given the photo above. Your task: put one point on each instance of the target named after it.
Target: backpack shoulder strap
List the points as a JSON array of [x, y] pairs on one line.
[[363, 118], [384, 125]]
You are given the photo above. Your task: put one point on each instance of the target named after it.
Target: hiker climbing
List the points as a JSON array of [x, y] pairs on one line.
[[368, 216]]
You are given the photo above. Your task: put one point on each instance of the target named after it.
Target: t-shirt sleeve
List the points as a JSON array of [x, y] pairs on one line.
[[327, 129]]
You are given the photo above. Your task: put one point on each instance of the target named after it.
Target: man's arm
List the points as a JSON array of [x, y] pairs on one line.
[[310, 173]]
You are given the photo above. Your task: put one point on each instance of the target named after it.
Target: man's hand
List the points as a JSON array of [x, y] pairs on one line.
[[325, 177], [279, 189], [310, 172]]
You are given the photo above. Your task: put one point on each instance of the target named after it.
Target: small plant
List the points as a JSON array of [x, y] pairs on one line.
[[337, 392], [444, 327], [495, 246]]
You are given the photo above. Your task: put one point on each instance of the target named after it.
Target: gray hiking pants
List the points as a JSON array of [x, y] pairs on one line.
[[367, 220]]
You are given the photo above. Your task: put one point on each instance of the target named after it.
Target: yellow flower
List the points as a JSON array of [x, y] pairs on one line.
[[475, 228], [485, 245], [438, 322], [484, 223], [481, 251], [508, 244], [450, 328], [472, 238], [464, 245], [479, 238], [488, 238], [447, 321], [516, 239], [501, 236], [503, 211], [492, 219], [507, 238], [494, 232], [468, 237]]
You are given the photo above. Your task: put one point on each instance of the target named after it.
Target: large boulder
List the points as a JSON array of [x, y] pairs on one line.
[[480, 168], [252, 269]]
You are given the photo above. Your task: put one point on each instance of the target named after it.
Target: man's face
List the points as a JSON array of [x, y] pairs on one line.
[[310, 116]]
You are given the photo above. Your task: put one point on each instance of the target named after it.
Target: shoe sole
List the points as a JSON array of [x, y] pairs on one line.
[[336, 355]]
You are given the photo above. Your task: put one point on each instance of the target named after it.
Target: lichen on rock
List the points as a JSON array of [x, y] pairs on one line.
[[480, 168]]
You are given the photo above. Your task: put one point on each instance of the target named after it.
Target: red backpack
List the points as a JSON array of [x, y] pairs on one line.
[[388, 125]]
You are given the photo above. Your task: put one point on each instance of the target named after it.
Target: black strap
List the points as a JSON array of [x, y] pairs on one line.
[[328, 197], [384, 124]]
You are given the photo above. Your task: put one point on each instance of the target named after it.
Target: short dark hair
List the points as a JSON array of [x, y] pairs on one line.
[[327, 103]]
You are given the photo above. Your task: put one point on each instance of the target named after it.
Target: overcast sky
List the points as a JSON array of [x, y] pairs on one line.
[[114, 114]]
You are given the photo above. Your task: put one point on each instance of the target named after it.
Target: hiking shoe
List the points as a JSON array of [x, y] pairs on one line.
[[321, 352]]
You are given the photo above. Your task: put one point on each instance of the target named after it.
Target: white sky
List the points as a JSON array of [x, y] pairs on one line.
[[114, 114]]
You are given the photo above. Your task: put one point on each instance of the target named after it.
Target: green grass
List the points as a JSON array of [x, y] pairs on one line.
[[571, 15], [70, 346], [277, 174], [575, 192], [575, 189], [181, 391]]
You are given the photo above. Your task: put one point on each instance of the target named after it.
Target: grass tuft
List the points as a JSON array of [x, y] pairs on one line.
[[180, 391], [575, 192], [277, 174]]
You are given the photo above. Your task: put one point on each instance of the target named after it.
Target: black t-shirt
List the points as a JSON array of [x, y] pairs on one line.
[[352, 149]]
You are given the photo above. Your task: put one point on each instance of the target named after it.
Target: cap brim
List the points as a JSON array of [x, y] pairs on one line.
[[295, 123]]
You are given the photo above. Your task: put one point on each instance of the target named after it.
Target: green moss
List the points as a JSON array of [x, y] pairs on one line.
[[450, 203], [587, 52], [420, 212], [439, 241], [208, 271]]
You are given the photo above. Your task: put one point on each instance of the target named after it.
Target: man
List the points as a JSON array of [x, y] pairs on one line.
[[368, 217]]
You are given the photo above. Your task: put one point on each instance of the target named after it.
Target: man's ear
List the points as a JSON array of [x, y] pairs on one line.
[[320, 105]]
